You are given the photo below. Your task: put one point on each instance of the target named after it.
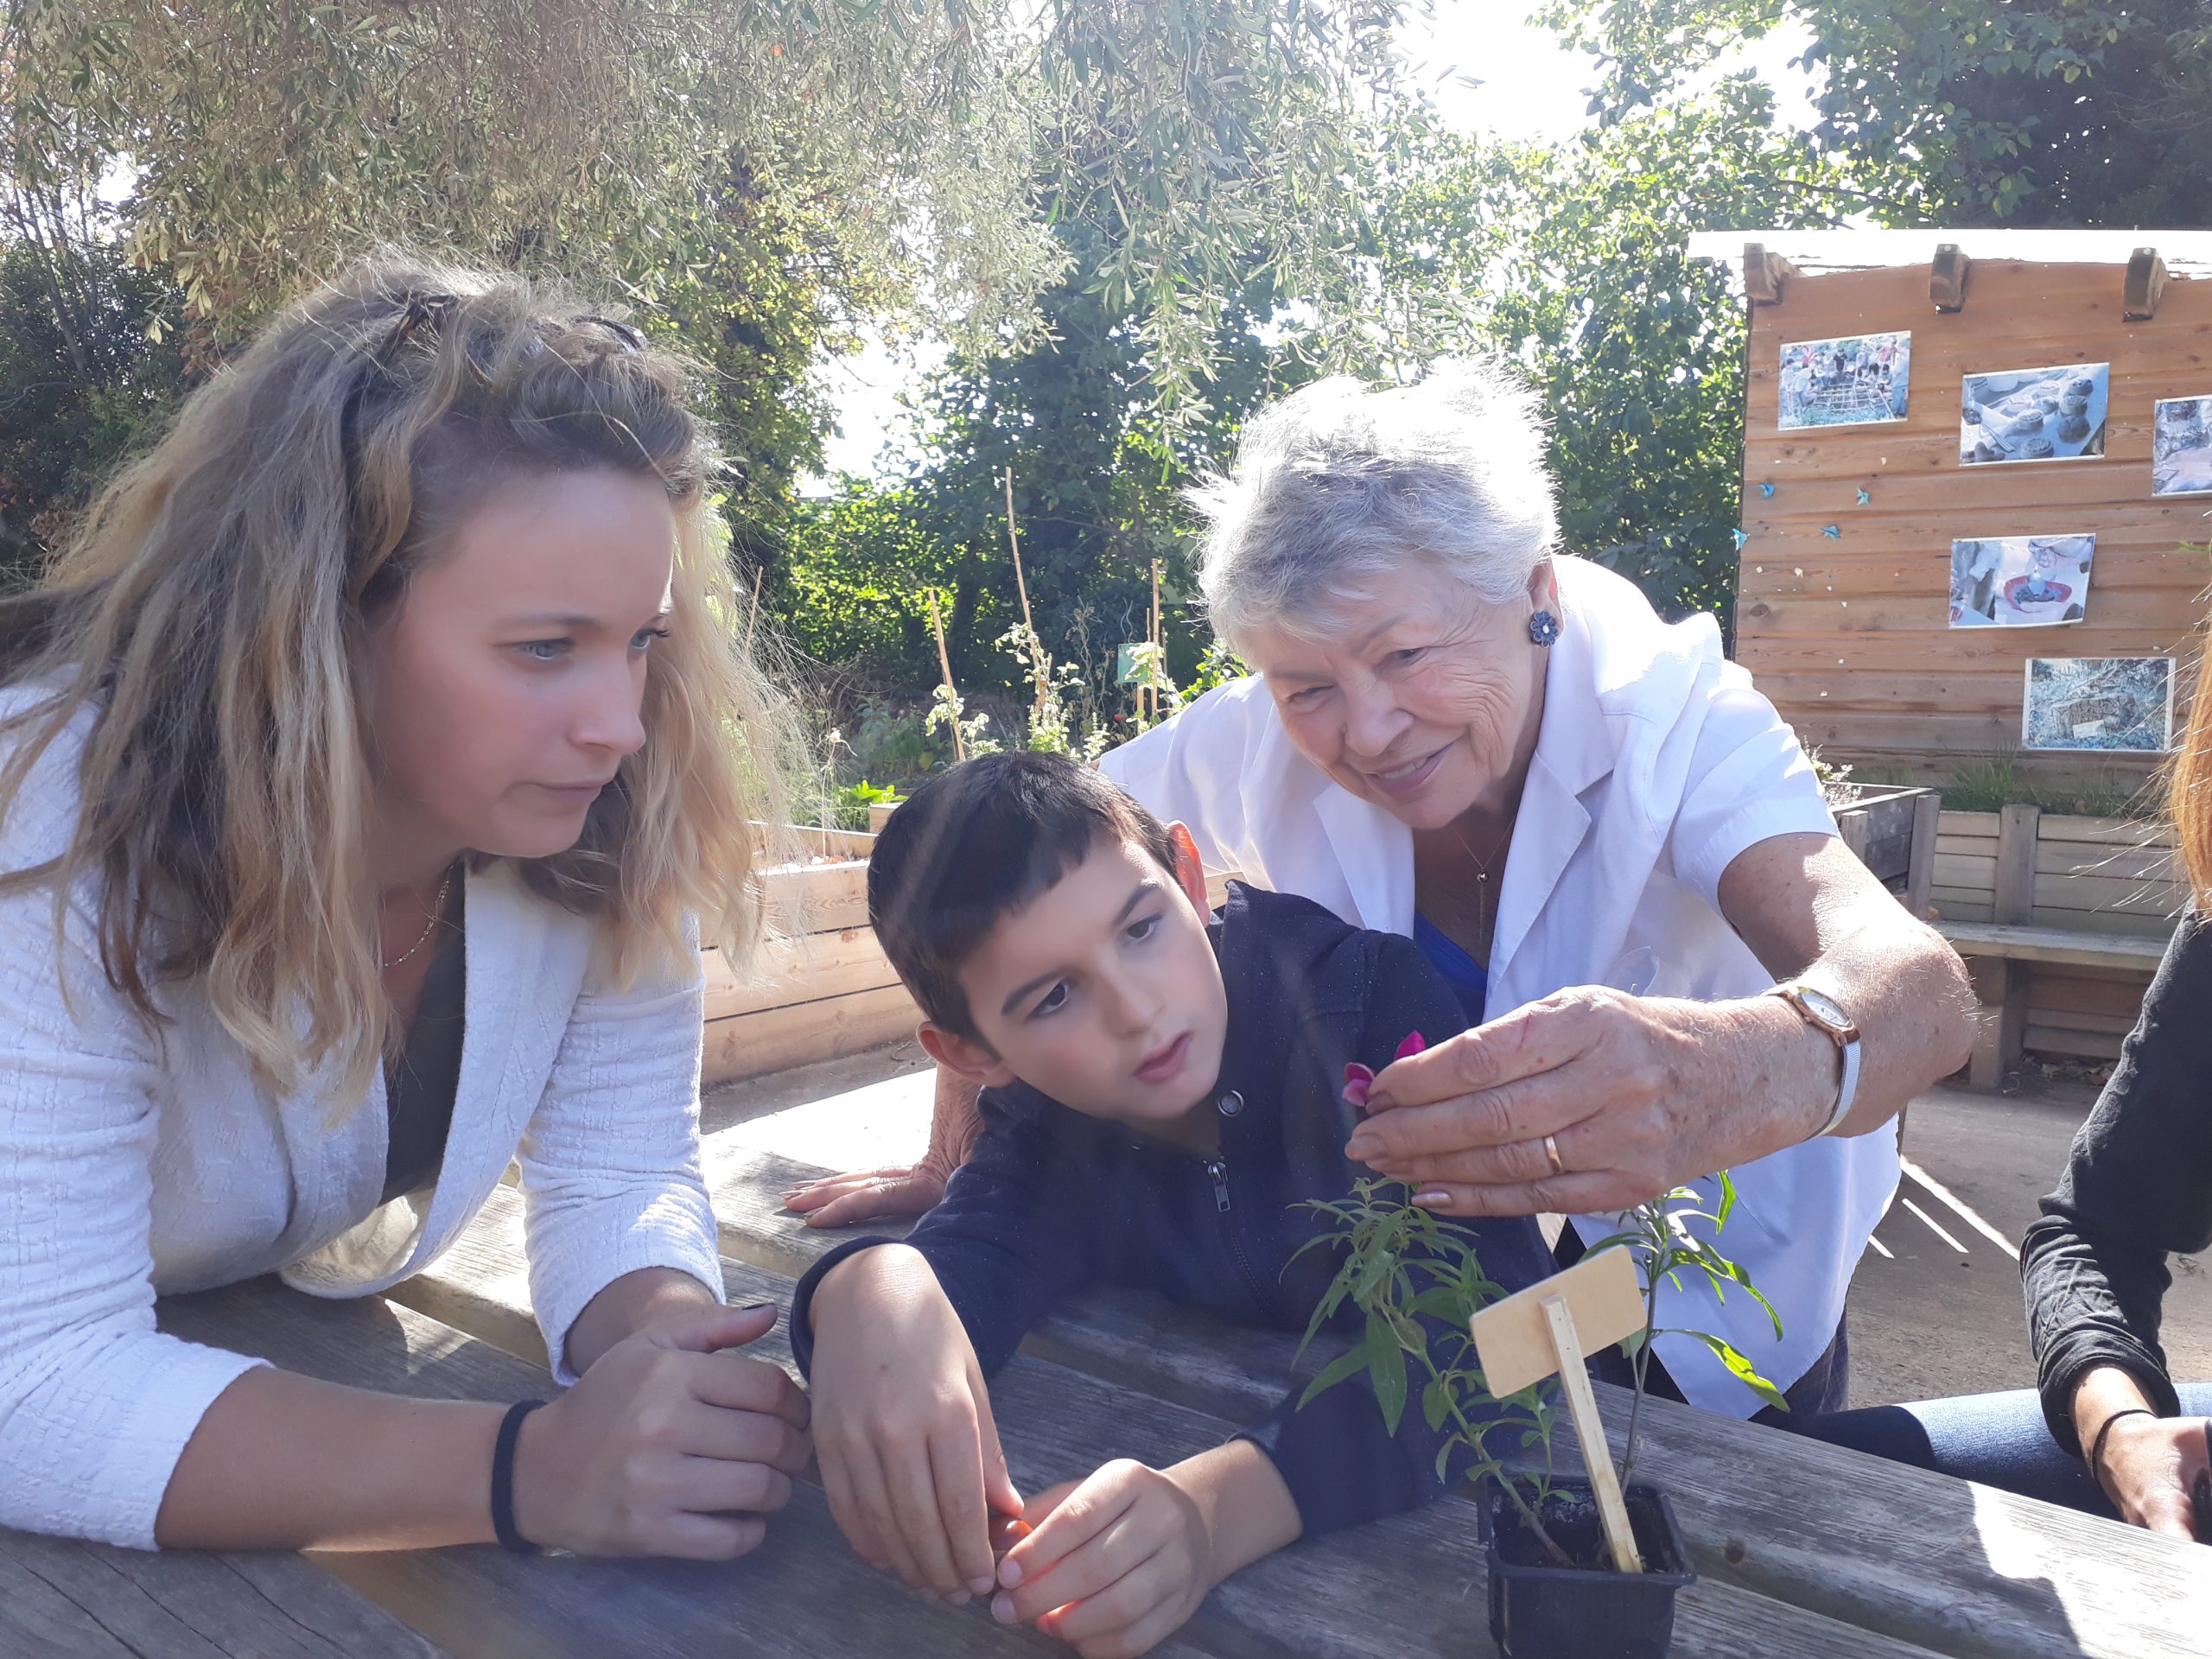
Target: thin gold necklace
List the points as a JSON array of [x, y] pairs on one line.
[[437, 915], [1482, 880]]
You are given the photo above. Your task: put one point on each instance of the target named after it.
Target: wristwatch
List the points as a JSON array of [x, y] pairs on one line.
[[1820, 1011]]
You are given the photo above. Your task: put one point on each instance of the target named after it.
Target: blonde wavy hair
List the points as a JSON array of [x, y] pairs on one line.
[[213, 612], [2188, 789]]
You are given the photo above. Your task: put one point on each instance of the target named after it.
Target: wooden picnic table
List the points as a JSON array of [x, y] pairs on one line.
[[1804, 1549]]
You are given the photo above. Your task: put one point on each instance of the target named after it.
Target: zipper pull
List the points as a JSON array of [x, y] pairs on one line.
[[1219, 1171]]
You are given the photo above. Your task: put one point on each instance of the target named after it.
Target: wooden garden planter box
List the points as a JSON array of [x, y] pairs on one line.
[[822, 990], [1894, 832]]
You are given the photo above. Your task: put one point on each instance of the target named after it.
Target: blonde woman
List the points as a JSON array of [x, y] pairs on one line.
[[367, 756]]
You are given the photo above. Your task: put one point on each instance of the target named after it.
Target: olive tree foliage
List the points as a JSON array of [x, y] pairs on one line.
[[1959, 112], [263, 141]]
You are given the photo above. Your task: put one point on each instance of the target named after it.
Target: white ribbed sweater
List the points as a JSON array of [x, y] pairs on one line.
[[135, 1163]]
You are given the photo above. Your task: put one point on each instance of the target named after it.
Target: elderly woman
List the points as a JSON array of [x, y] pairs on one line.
[[1604, 838]]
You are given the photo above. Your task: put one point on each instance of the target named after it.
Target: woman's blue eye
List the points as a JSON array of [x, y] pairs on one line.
[[1052, 1001], [646, 636], [544, 650]]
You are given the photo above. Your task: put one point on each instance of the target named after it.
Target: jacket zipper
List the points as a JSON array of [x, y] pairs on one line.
[[1217, 1171]]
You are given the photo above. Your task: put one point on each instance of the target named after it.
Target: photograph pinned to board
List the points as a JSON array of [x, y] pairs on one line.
[[2181, 446], [2020, 582], [1846, 382], [2099, 702], [2055, 414]]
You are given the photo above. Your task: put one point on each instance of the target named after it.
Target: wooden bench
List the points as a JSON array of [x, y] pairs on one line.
[[2062, 921]]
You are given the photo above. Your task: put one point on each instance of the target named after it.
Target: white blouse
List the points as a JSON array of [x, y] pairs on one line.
[[138, 1162], [1656, 765]]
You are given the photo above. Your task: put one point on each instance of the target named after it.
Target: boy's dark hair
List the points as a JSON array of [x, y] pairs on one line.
[[977, 841]]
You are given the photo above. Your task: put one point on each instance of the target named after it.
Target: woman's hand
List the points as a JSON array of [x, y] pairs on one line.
[[894, 1193], [669, 1444], [2151, 1466], [898, 1191], [910, 1456], [1638, 1095]]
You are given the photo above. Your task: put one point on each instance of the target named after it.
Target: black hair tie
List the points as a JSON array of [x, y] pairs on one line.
[[503, 1478]]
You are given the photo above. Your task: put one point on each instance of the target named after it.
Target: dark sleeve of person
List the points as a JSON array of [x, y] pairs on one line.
[[1013, 1233], [2138, 1185], [1335, 1454]]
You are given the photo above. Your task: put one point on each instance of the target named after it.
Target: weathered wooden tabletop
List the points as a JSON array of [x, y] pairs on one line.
[[1803, 1549]]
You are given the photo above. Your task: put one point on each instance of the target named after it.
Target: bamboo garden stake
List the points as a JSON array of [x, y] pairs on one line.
[[1014, 541], [1549, 1328], [945, 662]]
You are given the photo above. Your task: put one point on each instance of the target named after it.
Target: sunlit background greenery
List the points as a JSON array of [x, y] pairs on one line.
[[1119, 224]]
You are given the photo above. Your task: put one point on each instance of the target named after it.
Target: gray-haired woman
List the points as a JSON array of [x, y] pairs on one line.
[[1601, 833]]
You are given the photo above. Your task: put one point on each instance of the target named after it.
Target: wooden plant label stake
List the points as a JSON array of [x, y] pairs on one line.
[[1549, 1328]]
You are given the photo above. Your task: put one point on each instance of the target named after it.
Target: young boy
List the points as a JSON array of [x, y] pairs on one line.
[[1161, 1094]]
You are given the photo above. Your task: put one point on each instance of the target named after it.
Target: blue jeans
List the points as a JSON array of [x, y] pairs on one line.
[[1999, 1440]]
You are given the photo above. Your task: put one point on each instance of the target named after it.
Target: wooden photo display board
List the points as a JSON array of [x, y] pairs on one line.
[[1848, 632]]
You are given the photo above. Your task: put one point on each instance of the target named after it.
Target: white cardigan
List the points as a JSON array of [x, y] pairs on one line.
[[1656, 765], [135, 1163]]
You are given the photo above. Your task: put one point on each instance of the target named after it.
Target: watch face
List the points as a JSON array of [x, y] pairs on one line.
[[1823, 1007]]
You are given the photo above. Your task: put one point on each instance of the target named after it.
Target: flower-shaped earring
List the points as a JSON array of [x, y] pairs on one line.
[[1543, 627]]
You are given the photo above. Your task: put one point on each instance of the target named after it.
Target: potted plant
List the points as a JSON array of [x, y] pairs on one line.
[[1554, 1591]]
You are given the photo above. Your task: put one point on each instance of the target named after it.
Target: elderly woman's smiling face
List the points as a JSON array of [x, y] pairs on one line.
[[1417, 694]]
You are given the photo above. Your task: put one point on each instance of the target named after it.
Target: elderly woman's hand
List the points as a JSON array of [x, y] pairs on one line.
[[1638, 1095]]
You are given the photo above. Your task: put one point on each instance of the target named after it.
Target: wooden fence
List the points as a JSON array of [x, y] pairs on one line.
[[2087, 875], [1842, 602]]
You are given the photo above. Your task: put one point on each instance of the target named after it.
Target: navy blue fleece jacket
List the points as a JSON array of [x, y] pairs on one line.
[[1050, 1201]]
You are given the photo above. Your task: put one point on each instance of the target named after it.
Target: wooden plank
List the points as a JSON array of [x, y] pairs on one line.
[[815, 899], [1967, 908], [65, 1597], [2106, 895], [1920, 873], [2062, 1039], [1967, 824], [2113, 860], [747, 1044], [805, 968], [2129, 832], [2020, 943], [1738, 1488], [1966, 870], [2111, 924], [2014, 900]]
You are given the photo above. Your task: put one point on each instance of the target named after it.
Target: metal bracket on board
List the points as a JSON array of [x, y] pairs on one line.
[[1947, 276], [2147, 279]]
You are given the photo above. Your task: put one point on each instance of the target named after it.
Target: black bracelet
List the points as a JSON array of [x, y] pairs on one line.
[[2097, 1445], [503, 1478]]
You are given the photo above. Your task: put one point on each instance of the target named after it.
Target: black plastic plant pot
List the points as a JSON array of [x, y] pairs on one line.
[[1539, 1609]]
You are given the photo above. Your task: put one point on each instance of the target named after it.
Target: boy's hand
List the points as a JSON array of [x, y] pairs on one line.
[[1118, 1562], [909, 1454]]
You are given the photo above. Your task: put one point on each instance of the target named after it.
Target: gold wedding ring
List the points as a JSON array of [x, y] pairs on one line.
[[1551, 1151]]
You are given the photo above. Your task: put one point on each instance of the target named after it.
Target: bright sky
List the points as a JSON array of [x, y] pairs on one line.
[[1487, 70]]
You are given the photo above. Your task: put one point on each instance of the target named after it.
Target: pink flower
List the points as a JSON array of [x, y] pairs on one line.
[[1359, 1079]]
